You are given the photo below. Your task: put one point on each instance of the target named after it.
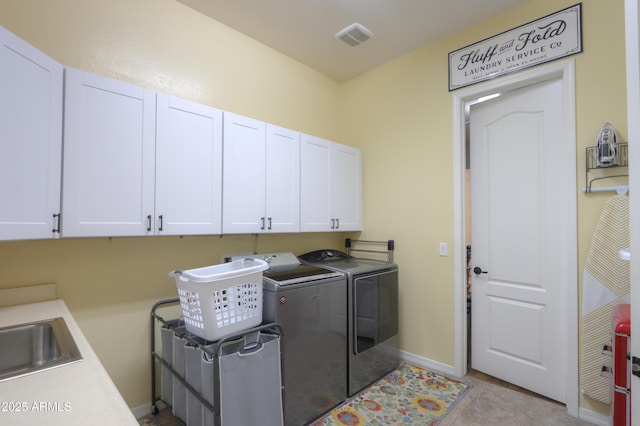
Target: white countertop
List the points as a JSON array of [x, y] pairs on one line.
[[81, 393]]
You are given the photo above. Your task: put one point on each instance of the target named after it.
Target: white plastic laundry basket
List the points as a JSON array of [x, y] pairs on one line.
[[223, 299]]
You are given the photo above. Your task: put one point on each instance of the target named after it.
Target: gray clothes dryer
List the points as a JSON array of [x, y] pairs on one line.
[[372, 314]]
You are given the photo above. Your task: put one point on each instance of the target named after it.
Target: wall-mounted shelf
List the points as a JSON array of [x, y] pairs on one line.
[[595, 171]]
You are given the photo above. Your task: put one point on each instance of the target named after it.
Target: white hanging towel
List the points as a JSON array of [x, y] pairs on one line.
[[605, 284]]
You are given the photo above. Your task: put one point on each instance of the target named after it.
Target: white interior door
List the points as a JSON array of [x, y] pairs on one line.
[[518, 190]]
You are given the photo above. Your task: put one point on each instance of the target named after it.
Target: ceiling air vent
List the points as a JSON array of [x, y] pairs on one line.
[[354, 34]]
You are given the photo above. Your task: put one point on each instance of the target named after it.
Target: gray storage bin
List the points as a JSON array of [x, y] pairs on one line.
[[166, 381], [193, 357], [179, 401], [207, 373], [250, 382]]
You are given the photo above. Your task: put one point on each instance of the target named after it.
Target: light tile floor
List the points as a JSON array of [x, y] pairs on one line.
[[494, 402]]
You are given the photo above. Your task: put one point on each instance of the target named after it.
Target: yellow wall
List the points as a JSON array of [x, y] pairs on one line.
[[110, 285], [399, 113], [165, 46]]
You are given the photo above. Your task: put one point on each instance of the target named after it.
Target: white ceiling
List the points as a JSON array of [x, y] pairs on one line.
[[305, 29]]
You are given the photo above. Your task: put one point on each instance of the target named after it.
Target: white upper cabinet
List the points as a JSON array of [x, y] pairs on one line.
[[345, 178], [261, 177], [137, 162], [188, 168], [243, 171], [315, 208], [109, 157], [30, 140], [331, 186], [282, 180]]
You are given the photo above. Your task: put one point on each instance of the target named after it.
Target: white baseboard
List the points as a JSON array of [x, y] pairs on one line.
[[429, 364], [145, 409], [141, 411], [593, 417]]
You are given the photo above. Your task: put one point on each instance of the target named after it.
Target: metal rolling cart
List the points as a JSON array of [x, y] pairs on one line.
[[234, 380]]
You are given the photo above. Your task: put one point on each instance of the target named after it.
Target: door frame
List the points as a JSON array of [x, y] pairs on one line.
[[632, 37], [564, 70]]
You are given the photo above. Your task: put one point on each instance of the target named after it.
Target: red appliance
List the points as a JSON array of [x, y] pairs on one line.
[[621, 369]]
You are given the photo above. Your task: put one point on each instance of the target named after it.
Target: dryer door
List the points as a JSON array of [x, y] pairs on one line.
[[376, 309]]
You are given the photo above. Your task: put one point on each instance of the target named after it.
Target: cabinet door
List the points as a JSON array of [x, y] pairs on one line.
[[282, 180], [243, 179], [188, 167], [109, 160], [30, 140], [346, 187], [315, 213]]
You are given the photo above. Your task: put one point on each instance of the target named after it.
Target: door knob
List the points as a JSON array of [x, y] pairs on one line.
[[478, 270]]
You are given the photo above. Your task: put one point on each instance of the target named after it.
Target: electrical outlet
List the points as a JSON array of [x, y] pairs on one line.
[[444, 249]]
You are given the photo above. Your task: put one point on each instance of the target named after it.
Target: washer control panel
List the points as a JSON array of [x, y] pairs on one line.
[[277, 261]]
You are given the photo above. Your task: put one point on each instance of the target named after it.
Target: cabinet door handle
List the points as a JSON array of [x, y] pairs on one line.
[[149, 223], [262, 227], [333, 224], [160, 228], [269, 227], [56, 223], [338, 223]]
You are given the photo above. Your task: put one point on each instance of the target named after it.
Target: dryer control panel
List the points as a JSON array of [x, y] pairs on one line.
[[325, 255]]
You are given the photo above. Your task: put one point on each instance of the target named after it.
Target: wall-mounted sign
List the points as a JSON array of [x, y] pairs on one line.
[[553, 37]]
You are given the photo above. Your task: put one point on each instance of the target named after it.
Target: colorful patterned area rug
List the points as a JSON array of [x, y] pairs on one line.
[[407, 396]]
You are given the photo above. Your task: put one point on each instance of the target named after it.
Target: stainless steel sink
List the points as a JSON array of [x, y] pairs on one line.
[[36, 346]]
